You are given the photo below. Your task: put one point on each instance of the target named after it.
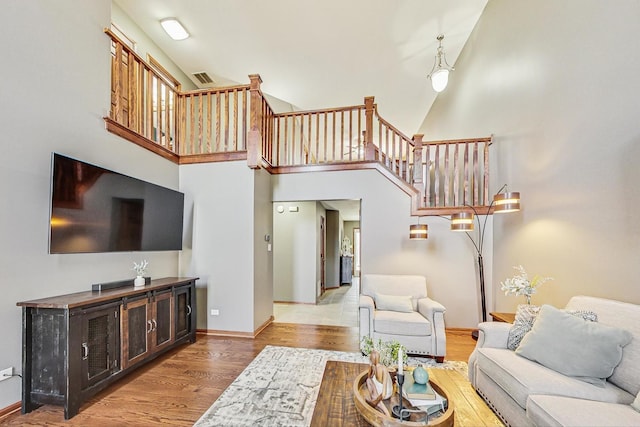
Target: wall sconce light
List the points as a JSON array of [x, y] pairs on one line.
[[439, 74], [174, 28], [418, 231]]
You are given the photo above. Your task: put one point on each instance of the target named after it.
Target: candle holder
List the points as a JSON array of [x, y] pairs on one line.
[[398, 411]]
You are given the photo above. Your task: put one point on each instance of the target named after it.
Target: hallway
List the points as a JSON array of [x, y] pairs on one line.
[[336, 307]]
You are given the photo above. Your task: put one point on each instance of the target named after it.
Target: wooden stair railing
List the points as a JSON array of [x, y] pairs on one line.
[[237, 123]]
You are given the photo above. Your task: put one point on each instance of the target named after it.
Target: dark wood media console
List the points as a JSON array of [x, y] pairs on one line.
[[75, 345]]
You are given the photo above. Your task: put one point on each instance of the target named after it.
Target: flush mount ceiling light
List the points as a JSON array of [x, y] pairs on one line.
[[439, 74], [174, 28]]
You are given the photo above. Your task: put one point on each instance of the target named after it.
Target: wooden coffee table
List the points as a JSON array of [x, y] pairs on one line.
[[335, 405]]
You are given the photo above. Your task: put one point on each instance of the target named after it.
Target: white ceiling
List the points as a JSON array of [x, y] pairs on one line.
[[318, 53]]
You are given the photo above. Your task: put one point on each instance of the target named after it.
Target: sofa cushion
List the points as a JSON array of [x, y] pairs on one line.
[[588, 351], [636, 403], [520, 377], [566, 411], [395, 323], [526, 315], [400, 303]]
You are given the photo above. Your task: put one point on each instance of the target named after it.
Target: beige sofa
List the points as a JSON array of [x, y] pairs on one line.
[[396, 307], [526, 393]]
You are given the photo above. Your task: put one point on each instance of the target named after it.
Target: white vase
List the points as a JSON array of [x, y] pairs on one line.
[[138, 281]]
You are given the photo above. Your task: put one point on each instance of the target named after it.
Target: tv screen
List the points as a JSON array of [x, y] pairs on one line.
[[98, 210]]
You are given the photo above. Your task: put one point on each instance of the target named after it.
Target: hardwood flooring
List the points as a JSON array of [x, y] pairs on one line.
[[180, 386]]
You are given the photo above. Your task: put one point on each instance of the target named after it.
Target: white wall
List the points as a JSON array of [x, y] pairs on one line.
[[295, 255], [447, 259], [56, 90], [222, 249], [557, 83]]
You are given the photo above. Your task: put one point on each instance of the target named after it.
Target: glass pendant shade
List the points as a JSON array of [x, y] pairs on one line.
[[462, 221], [418, 231], [506, 202], [439, 79]]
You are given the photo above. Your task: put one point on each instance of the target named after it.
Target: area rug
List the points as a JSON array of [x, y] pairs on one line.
[[280, 387]]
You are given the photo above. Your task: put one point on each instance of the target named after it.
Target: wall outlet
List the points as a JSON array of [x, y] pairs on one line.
[[215, 312], [5, 374]]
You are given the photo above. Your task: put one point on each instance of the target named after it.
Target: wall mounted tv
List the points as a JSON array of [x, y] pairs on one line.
[[98, 210]]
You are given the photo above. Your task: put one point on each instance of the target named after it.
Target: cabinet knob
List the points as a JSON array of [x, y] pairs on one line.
[[150, 326], [188, 310], [155, 324]]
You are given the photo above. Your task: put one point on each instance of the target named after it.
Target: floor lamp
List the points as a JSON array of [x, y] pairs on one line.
[[464, 221]]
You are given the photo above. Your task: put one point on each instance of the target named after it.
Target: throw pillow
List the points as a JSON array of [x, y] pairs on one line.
[[588, 351], [526, 316], [636, 403], [399, 303]]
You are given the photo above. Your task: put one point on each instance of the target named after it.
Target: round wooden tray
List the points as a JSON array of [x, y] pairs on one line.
[[378, 419]]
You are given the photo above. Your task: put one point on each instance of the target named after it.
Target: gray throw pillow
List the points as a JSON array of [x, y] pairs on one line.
[[588, 351], [399, 303], [526, 316]]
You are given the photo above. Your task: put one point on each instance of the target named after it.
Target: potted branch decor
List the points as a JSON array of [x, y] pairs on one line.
[[140, 269]]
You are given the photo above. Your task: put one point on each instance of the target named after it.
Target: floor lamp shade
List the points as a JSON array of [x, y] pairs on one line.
[[506, 202], [418, 231], [462, 221]]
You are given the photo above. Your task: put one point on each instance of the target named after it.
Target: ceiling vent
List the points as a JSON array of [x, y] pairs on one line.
[[203, 78]]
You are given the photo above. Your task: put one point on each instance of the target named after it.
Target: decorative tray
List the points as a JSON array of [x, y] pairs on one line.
[[378, 419]]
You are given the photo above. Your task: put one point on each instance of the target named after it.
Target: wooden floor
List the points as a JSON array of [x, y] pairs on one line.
[[180, 386]]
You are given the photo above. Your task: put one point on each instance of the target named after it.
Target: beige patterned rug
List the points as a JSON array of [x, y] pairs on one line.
[[280, 387]]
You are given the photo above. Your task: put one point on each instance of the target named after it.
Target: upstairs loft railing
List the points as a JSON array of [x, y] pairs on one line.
[[149, 108]]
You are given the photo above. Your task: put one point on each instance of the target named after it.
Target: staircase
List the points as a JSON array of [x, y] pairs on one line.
[[149, 108]]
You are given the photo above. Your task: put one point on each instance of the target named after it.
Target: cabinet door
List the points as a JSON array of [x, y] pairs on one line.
[[136, 329], [184, 310], [162, 320], [100, 338]]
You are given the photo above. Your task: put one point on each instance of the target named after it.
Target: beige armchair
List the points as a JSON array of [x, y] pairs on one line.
[[396, 307]]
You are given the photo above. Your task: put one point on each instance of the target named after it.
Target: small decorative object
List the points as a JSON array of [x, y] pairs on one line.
[[388, 350], [520, 284], [397, 410], [379, 384], [420, 375], [140, 270]]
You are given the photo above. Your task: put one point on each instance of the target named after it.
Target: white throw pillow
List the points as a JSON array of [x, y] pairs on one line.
[[401, 303]]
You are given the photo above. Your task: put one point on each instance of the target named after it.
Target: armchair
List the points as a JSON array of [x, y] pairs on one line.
[[396, 307]]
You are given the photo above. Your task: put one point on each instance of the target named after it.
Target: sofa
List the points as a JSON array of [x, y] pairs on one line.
[[543, 381], [397, 308]]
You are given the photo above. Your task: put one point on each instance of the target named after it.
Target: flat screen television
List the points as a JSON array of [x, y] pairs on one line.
[[94, 209]]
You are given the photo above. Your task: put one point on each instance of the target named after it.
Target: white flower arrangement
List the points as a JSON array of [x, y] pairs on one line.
[[520, 284], [140, 268]]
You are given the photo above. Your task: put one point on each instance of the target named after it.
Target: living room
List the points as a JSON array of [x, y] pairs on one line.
[[554, 82]]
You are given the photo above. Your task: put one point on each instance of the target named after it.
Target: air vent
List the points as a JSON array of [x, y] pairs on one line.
[[203, 78]]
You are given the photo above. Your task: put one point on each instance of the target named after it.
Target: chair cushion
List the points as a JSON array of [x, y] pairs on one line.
[[396, 323], [566, 411], [520, 377], [401, 303], [585, 350]]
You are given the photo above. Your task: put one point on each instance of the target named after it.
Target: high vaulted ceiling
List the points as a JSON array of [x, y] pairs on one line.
[[317, 54]]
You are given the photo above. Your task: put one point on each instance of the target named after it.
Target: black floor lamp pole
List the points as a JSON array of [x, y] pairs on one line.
[[482, 294]]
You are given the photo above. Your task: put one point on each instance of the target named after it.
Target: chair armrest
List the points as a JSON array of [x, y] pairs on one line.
[[428, 308], [366, 310]]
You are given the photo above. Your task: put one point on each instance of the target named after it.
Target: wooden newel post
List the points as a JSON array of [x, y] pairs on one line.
[[418, 181], [254, 139], [369, 148]]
